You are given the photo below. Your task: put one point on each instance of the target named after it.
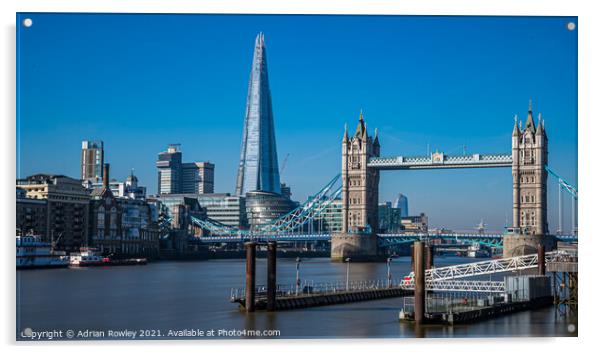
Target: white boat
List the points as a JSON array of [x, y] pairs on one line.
[[86, 258], [32, 252]]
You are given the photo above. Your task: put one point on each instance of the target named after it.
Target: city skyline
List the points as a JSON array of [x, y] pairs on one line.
[[467, 99]]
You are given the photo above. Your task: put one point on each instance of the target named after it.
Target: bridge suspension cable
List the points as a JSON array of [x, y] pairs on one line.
[[572, 190], [294, 220]]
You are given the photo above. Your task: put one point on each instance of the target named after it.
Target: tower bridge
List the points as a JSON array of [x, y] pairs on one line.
[[358, 189], [362, 164]]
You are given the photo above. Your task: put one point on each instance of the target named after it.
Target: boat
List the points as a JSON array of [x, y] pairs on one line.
[[86, 258], [32, 253]]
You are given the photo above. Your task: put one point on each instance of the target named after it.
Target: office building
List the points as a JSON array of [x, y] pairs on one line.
[[92, 160], [401, 203], [389, 218], [258, 167], [176, 177], [197, 177], [265, 207], [227, 209], [330, 220], [417, 223], [169, 166]]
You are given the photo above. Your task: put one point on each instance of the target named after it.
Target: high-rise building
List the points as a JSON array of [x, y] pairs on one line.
[[389, 218], [169, 165], [92, 160], [176, 177], [331, 218], [258, 167], [227, 209], [401, 203], [197, 177]]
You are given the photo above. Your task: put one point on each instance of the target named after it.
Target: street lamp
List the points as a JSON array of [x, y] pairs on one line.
[[389, 269], [388, 272], [347, 279], [298, 281]]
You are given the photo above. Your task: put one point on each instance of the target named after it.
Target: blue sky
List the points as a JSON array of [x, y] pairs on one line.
[[140, 82]]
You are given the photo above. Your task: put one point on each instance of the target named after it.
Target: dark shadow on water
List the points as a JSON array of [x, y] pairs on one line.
[[347, 309]]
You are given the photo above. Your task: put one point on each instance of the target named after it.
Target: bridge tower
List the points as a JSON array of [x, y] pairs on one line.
[[529, 185], [357, 240]]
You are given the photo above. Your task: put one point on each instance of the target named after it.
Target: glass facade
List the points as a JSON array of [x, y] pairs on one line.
[[169, 165], [258, 167], [401, 203], [225, 208], [265, 207], [92, 160]]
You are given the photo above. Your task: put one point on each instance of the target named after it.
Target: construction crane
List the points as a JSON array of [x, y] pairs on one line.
[[284, 163]]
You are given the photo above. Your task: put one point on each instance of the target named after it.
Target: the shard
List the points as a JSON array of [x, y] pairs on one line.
[[258, 167]]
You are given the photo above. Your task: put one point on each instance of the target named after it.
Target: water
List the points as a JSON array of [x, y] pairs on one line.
[[167, 296]]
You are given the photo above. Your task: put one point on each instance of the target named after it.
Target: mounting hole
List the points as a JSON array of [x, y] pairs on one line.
[[571, 328], [571, 26], [27, 22]]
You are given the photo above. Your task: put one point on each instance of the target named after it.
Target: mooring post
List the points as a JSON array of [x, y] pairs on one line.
[[419, 283], [541, 259], [412, 256], [429, 256], [250, 277], [271, 305]]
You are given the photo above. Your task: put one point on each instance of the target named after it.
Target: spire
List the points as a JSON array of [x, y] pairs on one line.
[[516, 131], [376, 142], [365, 134], [540, 127], [529, 124], [345, 136], [361, 127]]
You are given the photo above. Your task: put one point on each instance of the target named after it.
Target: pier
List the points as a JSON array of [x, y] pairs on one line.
[[463, 299], [290, 298]]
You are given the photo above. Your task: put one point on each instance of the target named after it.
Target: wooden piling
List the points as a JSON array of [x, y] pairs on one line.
[[541, 259], [271, 301], [419, 282], [429, 254], [250, 277]]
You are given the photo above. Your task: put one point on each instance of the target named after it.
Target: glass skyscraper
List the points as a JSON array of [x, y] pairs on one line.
[[258, 167], [401, 203]]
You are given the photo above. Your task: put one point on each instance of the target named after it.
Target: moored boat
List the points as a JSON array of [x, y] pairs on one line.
[[32, 253]]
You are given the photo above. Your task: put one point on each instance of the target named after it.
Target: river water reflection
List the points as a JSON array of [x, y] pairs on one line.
[[195, 295]]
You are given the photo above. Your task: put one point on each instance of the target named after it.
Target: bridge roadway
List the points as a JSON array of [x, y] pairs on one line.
[[438, 160], [491, 240]]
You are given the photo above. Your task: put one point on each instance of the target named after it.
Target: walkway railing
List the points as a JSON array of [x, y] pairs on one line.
[[489, 267], [317, 288]]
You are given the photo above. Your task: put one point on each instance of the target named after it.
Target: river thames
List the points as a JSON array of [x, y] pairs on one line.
[[184, 296]]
